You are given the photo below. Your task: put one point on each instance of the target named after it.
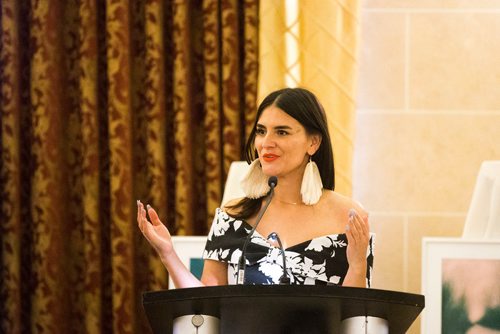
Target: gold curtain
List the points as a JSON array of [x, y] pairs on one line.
[[325, 36], [103, 103]]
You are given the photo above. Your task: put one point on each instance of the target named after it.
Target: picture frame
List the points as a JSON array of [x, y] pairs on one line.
[[190, 251], [456, 267]]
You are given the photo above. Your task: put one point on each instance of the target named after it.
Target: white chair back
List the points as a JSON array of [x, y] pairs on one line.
[[483, 217], [236, 173]]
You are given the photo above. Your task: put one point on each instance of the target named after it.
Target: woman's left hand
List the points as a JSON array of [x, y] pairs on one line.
[[358, 237]]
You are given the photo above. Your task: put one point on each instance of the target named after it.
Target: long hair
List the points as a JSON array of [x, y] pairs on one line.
[[302, 105]]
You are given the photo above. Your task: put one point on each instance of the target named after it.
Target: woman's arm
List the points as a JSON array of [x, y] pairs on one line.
[[358, 238], [157, 234], [214, 273]]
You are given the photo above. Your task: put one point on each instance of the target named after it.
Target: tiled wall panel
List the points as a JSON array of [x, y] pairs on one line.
[[428, 114]]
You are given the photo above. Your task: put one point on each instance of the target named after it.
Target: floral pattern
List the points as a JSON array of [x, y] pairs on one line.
[[319, 261]]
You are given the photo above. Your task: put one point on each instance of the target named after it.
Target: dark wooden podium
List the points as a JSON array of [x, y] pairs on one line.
[[282, 308]]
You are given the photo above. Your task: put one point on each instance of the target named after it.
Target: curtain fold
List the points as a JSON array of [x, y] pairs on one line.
[[10, 175], [103, 103], [328, 42]]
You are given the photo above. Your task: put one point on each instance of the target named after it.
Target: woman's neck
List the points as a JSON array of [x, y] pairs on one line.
[[288, 191]]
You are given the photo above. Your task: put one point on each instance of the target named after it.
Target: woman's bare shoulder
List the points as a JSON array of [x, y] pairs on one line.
[[337, 201]]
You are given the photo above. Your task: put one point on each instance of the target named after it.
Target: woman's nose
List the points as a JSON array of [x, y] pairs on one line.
[[268, 141]]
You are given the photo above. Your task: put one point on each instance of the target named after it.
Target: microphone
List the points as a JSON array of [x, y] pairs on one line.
[[272, 182], [283, 279]]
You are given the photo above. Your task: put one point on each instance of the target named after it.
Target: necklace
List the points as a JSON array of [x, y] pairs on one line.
[[290, 203]]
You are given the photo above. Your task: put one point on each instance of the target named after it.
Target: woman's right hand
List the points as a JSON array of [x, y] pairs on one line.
[[155, 232]]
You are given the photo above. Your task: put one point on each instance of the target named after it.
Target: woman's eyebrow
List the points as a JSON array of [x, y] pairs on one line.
[[278, 127]]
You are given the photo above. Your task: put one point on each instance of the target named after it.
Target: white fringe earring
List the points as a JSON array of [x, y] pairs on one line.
[[312, 186], [254, 184]]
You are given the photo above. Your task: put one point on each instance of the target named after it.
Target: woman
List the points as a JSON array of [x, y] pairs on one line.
[[325, 235]]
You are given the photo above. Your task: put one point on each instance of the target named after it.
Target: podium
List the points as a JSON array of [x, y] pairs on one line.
[[250, 309]]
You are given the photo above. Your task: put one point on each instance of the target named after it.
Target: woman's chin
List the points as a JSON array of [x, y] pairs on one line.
[[270, 172]]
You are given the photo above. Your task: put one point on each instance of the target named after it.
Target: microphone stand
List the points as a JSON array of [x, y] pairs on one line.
[[273, 181], [284, 280]]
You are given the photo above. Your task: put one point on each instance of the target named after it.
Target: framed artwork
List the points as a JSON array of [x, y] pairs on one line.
[[461, 284], [190, 250]]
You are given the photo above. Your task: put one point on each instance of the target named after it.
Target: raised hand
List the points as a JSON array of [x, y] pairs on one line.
[[358, 237], [155, 232]]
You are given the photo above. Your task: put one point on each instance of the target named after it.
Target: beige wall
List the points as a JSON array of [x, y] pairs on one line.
[[428, 114]]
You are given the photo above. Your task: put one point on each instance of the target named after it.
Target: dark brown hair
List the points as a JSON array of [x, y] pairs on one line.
[[302, 105]]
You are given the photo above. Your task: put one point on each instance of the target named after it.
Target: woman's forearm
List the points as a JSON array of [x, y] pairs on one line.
[[355, 277], [180, 275]]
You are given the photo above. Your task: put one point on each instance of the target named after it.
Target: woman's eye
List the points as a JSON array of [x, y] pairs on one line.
[[282, 132], [260, 131]]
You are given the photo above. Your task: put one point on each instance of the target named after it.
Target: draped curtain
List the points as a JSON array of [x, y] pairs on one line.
[[103, 103], [314, 44]]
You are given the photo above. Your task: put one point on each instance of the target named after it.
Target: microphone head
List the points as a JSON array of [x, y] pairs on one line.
[[273, 181]]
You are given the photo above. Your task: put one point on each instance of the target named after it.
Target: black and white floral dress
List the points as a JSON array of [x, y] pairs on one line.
[[319, 261]]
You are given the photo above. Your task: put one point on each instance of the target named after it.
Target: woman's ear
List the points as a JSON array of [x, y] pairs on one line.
[[315, 142]]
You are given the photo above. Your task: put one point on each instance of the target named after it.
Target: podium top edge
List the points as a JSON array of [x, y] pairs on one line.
[[313, 291]]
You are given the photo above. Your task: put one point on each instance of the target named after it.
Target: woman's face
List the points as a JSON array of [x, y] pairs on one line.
[[282, 143]]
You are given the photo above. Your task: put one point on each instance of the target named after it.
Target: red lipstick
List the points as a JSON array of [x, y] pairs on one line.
[[270, 157]]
